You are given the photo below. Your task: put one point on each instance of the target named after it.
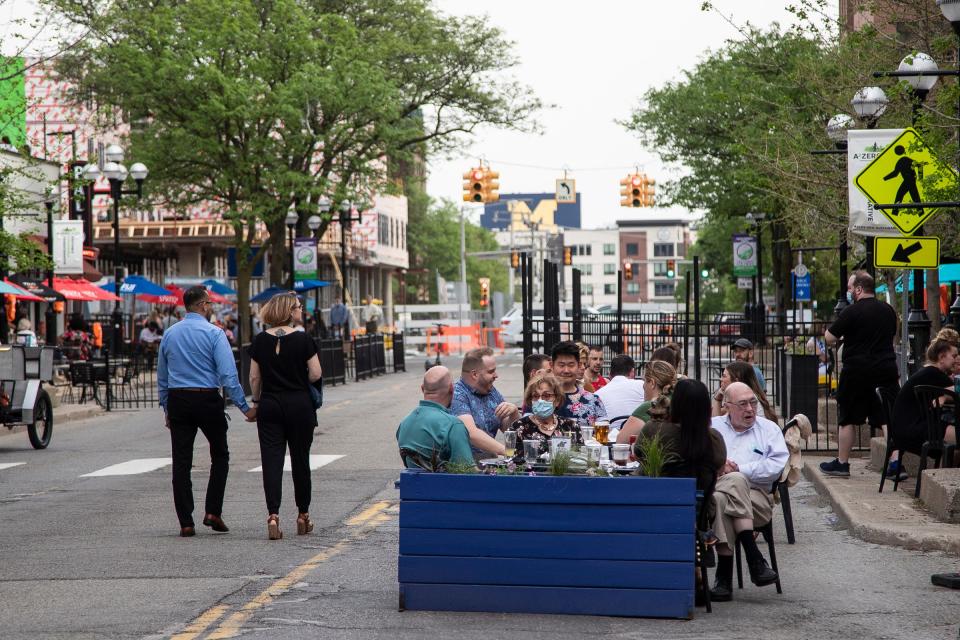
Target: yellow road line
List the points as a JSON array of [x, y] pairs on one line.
[[368, 513], [201, 622], [371, 517]]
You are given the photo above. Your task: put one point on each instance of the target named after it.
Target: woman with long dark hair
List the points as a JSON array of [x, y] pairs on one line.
[[694, 450]]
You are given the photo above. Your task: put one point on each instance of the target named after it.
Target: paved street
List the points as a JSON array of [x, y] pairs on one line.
[[98, 556]]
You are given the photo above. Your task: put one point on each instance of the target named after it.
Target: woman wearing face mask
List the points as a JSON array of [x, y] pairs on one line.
[[544, 396]]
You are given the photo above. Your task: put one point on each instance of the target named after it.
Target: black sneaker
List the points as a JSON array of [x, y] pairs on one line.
[[722, 590], [835, 468], [896, 472]]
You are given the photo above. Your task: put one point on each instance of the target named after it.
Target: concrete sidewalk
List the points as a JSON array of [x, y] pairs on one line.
[[890, 518]]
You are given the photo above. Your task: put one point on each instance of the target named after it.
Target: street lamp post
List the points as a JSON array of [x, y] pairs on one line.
[[291, 222], [50, 315], [869, 103], [116, 173], [314, 222], [837, 132], [920, 86], [346, 221]]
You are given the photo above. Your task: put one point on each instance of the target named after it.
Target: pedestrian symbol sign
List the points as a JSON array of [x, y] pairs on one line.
[[900, 174], [906, 253]]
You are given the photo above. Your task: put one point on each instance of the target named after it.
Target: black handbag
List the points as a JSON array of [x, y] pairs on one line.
[[316, 393]]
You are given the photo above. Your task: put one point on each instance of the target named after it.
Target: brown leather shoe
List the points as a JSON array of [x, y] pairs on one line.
[[187, 532], [215, 522]]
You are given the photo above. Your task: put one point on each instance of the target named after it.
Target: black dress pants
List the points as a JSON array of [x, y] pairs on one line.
[[286, 420], [189, 411]]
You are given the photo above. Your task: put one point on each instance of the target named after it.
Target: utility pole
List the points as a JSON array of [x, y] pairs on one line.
[[463, 264]]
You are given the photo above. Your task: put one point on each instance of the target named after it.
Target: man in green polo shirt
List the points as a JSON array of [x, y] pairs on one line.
[[430, 430]]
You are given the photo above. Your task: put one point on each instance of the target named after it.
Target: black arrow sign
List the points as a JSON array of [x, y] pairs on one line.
[[902, 254]]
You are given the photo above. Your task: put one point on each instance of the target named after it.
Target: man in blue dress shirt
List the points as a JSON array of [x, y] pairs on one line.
[[195, 362]]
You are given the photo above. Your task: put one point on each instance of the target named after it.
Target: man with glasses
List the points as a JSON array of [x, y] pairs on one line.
[[195, 362], [756, 456]]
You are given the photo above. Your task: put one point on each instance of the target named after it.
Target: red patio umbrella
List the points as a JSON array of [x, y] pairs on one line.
[[82, 290], [176, 297]]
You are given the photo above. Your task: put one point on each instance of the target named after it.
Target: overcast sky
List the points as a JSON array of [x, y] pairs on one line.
[[576, 55]]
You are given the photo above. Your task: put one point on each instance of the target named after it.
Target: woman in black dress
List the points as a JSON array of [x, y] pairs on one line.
[[283, 364]]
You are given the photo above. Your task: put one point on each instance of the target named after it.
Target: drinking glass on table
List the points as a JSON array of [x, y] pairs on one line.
[[531, 451], [586, 431], [509, 443], [601, 430], [621, 453]]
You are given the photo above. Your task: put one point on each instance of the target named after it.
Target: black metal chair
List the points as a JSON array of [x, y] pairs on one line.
[[81, 375], [933, 404], [702, 561], [767, 532], [887, 398]]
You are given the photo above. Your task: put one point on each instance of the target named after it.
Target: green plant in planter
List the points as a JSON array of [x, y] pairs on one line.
[[654, 455], [461, 467], [560, 463]]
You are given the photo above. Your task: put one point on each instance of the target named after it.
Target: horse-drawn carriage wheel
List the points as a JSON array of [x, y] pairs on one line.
[[41, 428]]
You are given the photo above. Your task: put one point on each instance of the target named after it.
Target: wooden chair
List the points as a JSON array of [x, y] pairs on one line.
[[933, 405]]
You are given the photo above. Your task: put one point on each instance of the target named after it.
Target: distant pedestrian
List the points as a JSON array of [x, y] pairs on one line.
[[867, 328], [25, 334], [743, 352], [339, 319], [283, 365], [195, 361]]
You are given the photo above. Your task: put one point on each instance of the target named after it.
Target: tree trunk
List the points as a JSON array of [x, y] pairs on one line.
[[279, 255]]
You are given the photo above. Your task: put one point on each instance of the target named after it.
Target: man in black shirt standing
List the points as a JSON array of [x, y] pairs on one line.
[[867, 329]]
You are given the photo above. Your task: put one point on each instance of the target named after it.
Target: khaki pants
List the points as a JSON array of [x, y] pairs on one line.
[[735, 498]]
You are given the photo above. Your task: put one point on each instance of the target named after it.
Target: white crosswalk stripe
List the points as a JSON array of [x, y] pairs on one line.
[[316, 461], [131, 467], [10, 465]]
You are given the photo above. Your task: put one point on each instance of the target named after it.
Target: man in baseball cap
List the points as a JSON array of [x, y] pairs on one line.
[[743, 352]]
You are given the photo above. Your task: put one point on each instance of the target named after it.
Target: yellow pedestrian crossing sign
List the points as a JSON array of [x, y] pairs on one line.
[[906, 253], [899, 175]]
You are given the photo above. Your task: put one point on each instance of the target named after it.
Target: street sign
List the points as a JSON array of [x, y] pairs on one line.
[[802, 286], [566, 191], [910, 253], [800, 270], [901, 171], [744, 283], [744, 255]]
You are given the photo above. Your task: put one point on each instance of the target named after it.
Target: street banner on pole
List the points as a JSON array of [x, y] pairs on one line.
[[68, 247], [901, 171], [863, 147], [305, 258], [744, 255], [801, 287]]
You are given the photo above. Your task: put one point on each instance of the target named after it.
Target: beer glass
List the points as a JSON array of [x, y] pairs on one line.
[[601, 430], [509, 443]]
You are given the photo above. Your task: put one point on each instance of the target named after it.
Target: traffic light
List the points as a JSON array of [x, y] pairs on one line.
[[567, 256], [647, 191], [515, 259], [491, 186], [484, 292], [671, 268], [631, 194], [704, 273], [628, 271], [473, 185], [480, 184]]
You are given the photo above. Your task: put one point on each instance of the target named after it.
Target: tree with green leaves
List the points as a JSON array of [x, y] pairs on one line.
[[263, 106]]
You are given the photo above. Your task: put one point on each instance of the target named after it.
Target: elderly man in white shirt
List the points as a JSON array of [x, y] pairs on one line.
[[756, 456], [623, 393]]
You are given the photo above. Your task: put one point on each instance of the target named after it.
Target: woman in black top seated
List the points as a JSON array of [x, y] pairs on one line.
[[909, 425], [283, 364], [694, 449]]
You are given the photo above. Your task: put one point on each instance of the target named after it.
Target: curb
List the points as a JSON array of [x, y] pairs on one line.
[[907, 527], [81, 414]]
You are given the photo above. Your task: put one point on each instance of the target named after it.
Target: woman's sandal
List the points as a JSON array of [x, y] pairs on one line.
[[304, 524], [273, 527]]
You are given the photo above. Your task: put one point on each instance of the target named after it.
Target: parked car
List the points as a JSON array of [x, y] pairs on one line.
[[725, 328]]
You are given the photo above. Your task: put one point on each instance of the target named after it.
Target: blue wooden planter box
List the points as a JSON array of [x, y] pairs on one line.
[[547, 544]]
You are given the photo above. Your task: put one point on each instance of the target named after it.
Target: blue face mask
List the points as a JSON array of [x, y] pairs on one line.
[[849, 297], [542, 409]]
